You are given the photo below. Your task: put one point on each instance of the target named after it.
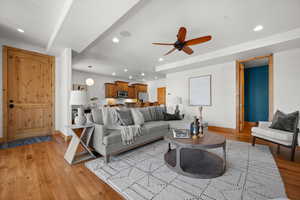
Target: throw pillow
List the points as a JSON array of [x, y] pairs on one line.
[[125, 117], [110, 118], [97, 116], [137, 117], [169, 117], [286, 122], [146, 114]]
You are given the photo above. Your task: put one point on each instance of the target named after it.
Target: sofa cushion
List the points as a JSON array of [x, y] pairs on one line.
[[153, 113], [160, 112], [155, 126], [137, 116], [114, 136], [146, 114], [285, 122], [97, 116], [269, 133]]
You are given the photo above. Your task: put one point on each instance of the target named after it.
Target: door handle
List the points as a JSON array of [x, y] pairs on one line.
[[11, 105]]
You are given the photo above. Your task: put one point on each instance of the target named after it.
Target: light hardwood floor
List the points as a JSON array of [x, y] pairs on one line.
[[38, 171]]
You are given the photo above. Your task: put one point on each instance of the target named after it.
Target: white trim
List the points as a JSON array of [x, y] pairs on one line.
[[67, 6]]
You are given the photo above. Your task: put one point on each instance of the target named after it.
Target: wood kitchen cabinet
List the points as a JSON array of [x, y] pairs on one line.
[[122, 85], [110, 90], [131, 92], [139, 87]]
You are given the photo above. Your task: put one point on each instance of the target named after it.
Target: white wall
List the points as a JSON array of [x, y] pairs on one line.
[[63, 89], [287, 80], [152, 88], [98, 89], [222, 112]]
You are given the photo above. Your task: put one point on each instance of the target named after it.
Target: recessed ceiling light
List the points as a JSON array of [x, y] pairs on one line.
[[144, 79], [258, 28], [125, 33], [142, 74], [115, 40], [90, 66], [160, 59], [155, 77], [130, 77], [125, 70], [20, 30], [114, 73]]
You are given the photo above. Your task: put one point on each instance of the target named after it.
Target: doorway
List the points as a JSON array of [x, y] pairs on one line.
[[28, 98], [254, 91], [161, 95]]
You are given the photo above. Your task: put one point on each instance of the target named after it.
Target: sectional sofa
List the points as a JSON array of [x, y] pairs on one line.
[[107, 139]]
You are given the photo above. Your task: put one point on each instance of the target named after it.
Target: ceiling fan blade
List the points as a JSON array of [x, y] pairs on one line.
[[181, 34], [187, 50], [156, 43], [198, 40], [170, 51]]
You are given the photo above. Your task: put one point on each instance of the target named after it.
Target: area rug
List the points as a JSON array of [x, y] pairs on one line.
[[141, 174], [25, 141]]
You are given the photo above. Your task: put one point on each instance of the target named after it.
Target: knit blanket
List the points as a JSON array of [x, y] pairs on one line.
[[129, 133]]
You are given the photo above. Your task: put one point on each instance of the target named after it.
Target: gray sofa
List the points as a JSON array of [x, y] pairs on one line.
[[107, 140]]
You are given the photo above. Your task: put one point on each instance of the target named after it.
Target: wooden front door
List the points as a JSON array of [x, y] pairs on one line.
[[161, 95], [29, 93]]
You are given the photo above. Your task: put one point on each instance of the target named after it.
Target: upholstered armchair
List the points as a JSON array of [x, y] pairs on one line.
[[284, 138]]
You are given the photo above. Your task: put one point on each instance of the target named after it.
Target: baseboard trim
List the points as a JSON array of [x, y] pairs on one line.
[[222, 129], [251, 124], [66, 138]]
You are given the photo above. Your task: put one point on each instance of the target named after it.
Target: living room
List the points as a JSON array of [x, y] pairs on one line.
[[139, 99]]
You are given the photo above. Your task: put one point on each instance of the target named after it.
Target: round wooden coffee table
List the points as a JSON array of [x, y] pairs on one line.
[[191, 158]]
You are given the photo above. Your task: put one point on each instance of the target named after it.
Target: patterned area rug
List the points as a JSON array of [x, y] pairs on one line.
[[26, 141], [141, 174]]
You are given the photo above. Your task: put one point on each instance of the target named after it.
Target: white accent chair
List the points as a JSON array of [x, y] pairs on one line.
[[284, 138]]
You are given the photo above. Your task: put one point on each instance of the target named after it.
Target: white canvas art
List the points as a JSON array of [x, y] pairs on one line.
[[200, 91]]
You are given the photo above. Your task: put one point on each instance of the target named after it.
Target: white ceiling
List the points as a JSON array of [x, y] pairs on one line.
[[230, 22], [57, 24], [88, 27], [86, 20], [36, 17]]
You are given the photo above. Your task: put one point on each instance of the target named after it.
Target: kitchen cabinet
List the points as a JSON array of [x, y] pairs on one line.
[[110, 90]]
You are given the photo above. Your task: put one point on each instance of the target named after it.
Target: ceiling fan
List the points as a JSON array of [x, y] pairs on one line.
[[183, 45]]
